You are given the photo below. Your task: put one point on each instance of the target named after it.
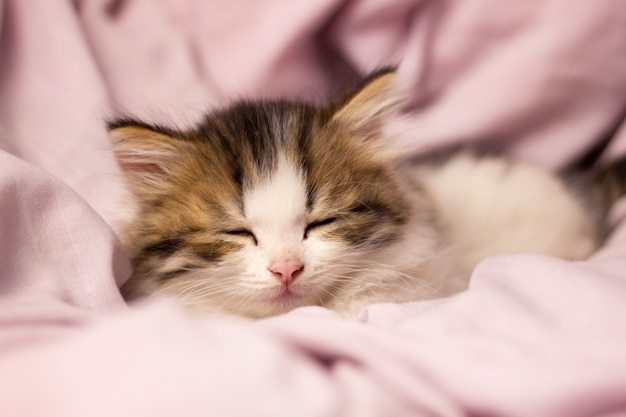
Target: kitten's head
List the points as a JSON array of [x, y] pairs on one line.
[[265, 206]]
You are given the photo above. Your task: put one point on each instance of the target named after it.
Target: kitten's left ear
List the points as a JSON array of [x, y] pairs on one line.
[[147, 155], [375, 98]]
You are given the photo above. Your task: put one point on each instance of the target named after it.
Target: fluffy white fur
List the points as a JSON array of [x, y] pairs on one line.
[[490, 205]]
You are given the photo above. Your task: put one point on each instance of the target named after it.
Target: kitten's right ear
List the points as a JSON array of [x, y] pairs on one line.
[[146, 154], [368, 105]]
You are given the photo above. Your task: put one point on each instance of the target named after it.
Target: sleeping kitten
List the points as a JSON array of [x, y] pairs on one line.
[[271, 205]]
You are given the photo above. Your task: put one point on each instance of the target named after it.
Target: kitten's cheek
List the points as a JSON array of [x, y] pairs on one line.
[[322, 252]]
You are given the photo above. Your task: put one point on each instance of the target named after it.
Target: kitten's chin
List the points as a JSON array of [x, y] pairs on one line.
[[285, 295], [282, 300]]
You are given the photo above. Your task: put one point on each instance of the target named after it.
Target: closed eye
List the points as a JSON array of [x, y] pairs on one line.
[[317, 225], [245, 233]]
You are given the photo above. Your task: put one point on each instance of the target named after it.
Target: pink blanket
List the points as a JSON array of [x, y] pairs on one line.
[[533, 336]]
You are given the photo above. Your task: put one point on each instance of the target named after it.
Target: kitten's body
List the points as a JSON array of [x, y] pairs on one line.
[[273, 205]]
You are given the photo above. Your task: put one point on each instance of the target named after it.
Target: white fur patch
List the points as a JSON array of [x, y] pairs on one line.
[[492, 206], [276, 210]]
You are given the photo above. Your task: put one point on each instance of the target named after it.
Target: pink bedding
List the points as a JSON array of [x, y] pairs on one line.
[[533, 336]]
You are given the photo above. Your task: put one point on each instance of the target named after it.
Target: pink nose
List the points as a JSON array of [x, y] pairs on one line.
[[286, 271]]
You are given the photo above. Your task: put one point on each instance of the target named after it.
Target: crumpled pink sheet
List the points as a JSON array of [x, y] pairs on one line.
[[533, 336]]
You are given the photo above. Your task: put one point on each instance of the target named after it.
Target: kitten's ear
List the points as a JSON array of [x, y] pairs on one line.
[[367, 105], [146, 155]]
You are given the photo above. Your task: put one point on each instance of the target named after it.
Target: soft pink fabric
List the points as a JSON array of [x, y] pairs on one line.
[[533, 336]]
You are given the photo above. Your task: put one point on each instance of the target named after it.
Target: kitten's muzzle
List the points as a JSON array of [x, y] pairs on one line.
[[286, 271]]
